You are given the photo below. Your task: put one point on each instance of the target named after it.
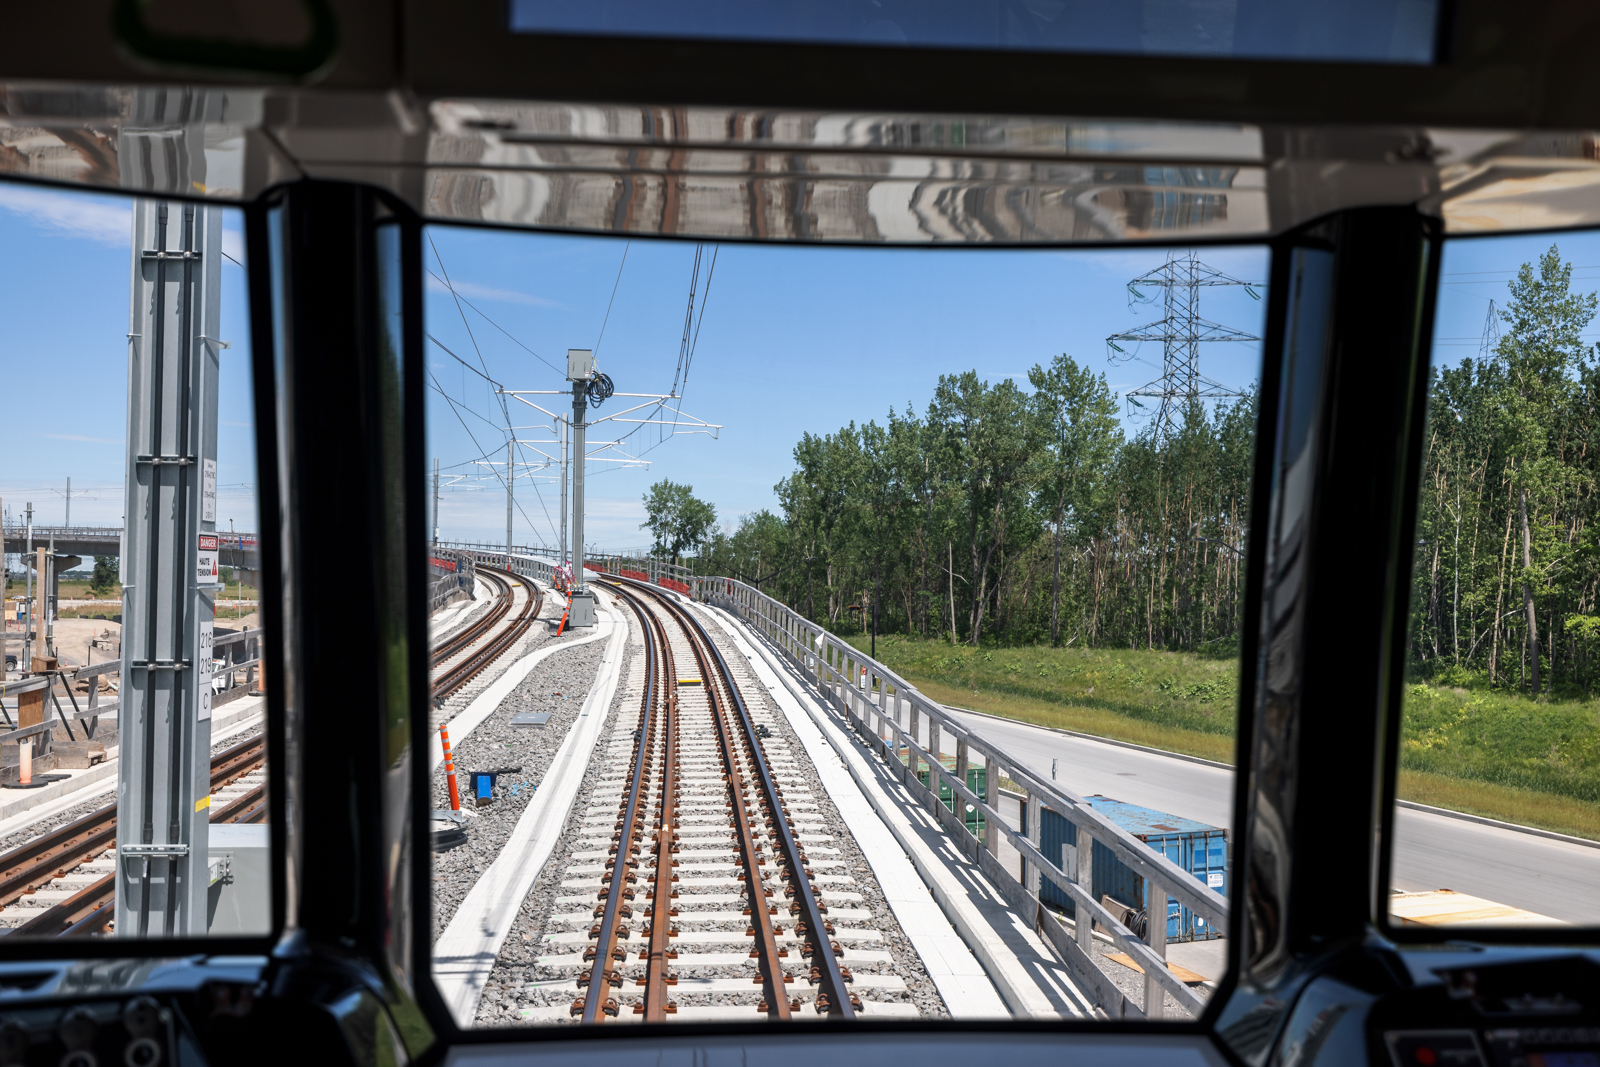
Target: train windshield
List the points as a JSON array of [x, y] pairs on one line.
[[132, 576], [833, 632], [1499, 755]]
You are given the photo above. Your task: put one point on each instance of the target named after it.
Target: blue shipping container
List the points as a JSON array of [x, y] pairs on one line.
[[1199, 849]]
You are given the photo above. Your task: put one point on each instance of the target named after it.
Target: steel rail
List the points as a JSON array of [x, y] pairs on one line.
[[776, 1001], [479, 659], [476, 629], [238, 761], [244, 804], [57, 920], [595, 1005], [769, 962], [658, 979], [826, 971], [53, 854]]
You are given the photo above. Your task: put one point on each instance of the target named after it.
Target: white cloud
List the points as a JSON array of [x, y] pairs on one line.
[[74, 214], [233, 245], [80, 437], [473, 291]]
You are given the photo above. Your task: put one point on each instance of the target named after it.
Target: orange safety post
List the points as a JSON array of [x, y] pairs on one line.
[[450, 769], [564, 615]]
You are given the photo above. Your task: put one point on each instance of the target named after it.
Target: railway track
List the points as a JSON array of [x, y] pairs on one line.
[[467, 653], [83, 851], [80, 850], [701, 789]]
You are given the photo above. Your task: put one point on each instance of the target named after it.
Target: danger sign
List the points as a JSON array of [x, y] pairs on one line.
[[206, 572]]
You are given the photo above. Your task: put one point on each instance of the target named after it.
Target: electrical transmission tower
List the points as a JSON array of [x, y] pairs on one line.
[[1491, 335], [1180, 331]]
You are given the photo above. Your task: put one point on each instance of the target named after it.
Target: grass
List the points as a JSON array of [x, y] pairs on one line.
[[1494, 754], [1524, 807], [1094, 721], [80, 590]]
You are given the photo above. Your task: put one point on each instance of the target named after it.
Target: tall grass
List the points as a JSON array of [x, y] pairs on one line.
[[1487, 752]]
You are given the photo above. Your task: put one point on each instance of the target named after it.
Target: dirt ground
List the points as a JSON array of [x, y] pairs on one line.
[[74, 638]]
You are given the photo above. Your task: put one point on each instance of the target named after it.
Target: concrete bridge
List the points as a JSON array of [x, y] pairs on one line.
[[237, 550]]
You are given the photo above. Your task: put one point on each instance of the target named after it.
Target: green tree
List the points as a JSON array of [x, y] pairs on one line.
[[992, 442], [1543, 343], [676, 518], [1077, 416], [104, 576]]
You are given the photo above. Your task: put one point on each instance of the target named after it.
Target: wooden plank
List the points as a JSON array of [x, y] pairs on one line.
[[1446, 907], [1182, 974]]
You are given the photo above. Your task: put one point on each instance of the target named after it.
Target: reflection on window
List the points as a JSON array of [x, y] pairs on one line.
[[1499, 716], [1400, 31], [758, 578], [132, 759]]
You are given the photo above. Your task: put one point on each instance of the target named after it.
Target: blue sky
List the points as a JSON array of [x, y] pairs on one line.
[[64, 303], [792, 340]]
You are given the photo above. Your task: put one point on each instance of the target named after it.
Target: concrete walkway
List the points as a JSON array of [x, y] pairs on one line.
[[20, 808], [984, 960]]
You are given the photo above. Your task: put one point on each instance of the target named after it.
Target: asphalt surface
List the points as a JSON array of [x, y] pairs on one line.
[[1526, 871]]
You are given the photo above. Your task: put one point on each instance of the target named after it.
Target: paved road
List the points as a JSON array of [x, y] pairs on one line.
[[1432, 851]]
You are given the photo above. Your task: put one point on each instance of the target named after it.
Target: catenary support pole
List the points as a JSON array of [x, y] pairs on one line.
[[29, 615], [566, 435], [510, 479], [580, 370], [436, 499], [170, 572]]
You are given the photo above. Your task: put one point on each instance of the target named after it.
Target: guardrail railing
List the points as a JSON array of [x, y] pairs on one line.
[[892, 724], [521, 565], [240, 652], [444, 586], [613, 562]]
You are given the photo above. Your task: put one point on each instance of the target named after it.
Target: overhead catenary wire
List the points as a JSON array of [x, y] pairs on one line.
[[480, 312], [613, 300], [511, 434], [485, 452]]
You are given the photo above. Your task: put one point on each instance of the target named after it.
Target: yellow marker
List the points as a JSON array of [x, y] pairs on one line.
[[202, 804], [688, 681]]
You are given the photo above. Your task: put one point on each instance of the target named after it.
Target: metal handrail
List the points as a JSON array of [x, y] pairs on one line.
[[835, 666]]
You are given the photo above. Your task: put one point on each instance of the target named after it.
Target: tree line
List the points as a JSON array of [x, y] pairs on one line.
[[1507, 574], [1014, 514]]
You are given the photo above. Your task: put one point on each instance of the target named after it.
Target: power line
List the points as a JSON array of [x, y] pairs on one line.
[[493, 323], [505, 411], [483, 453], [463, 362], [613, 299], [435, 387]]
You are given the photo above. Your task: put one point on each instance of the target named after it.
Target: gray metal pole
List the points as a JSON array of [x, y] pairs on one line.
[[565, 435], [27, 599], [580, 405], [170, 571], [580, 372], [49, 592], [436, 500], [510, 478], [68, 522]]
